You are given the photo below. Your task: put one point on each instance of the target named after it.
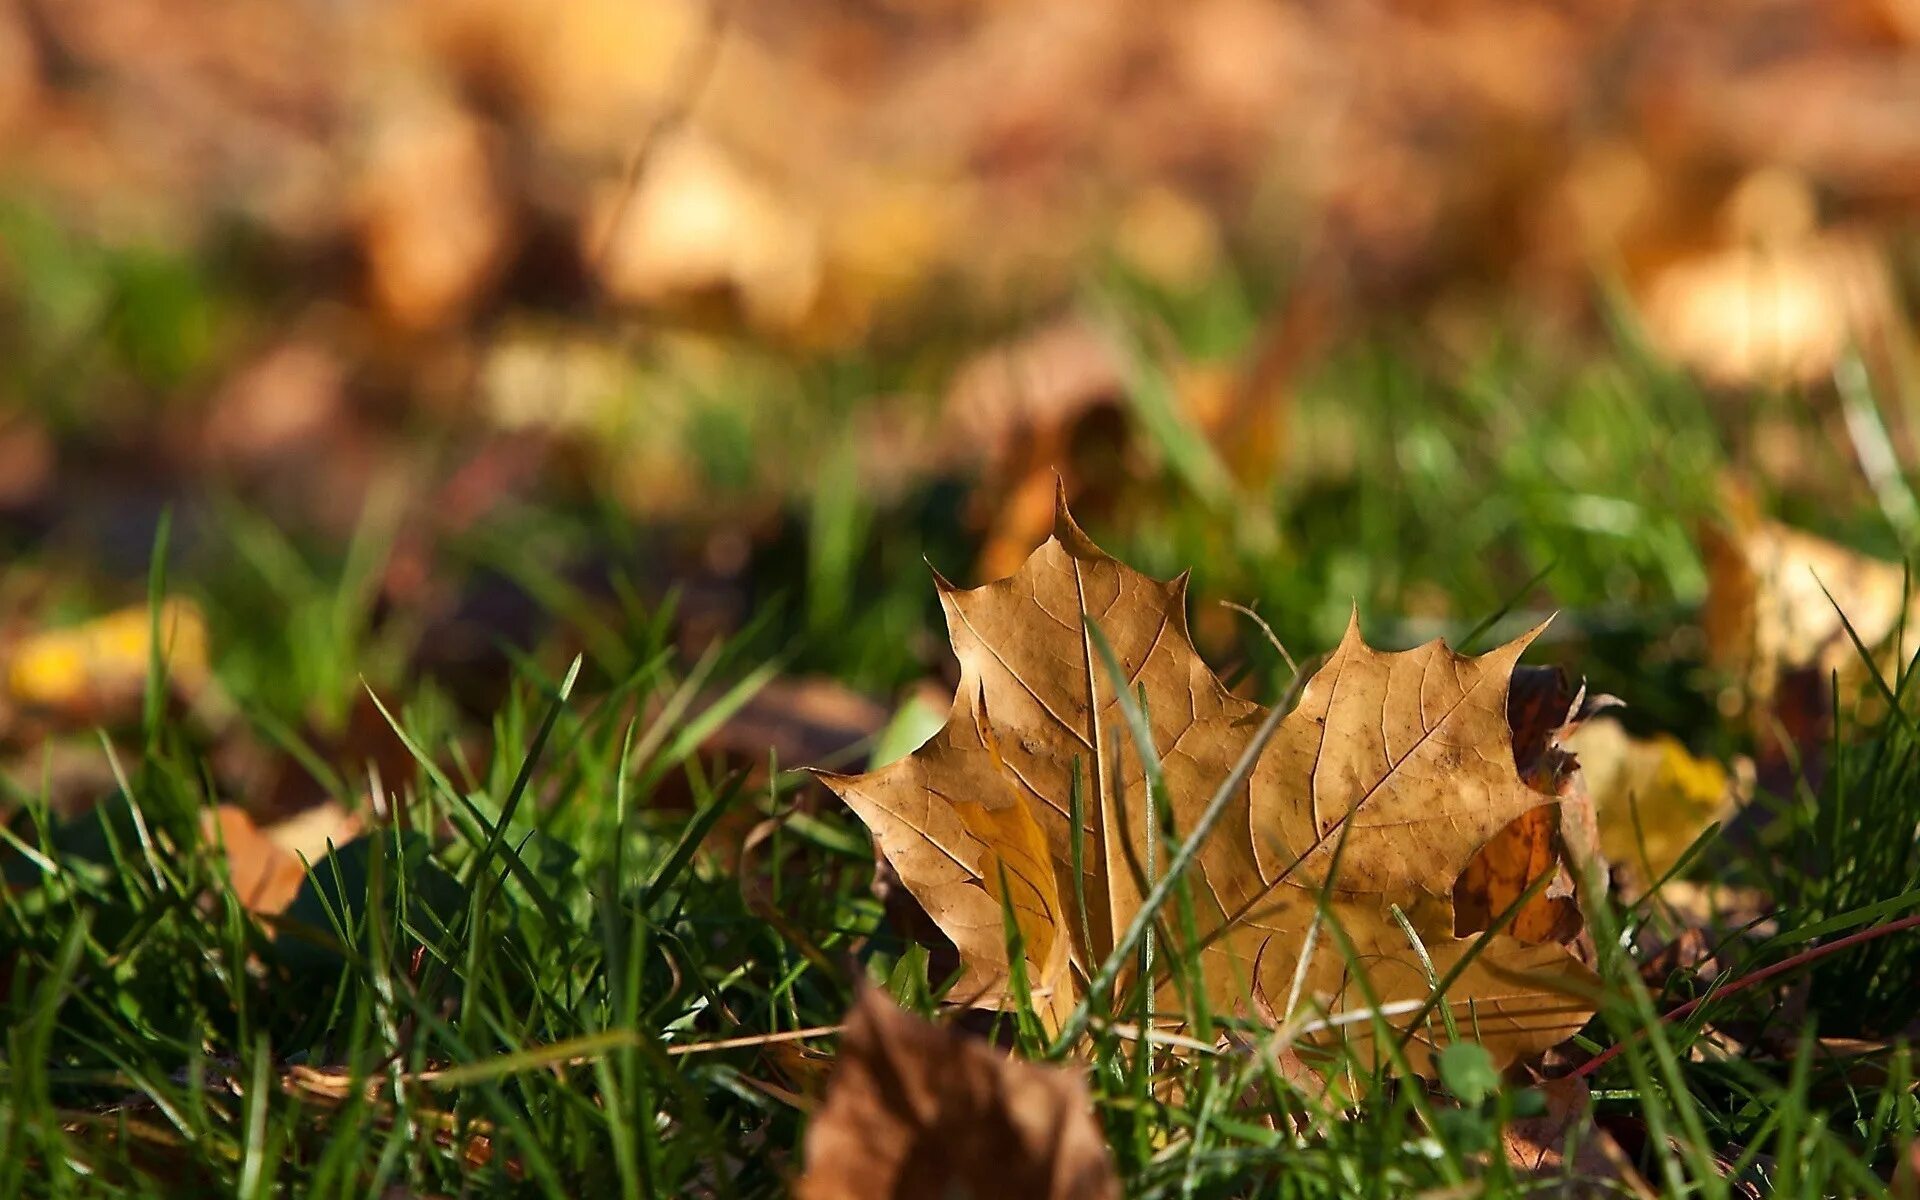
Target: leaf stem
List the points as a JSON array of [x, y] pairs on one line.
[[1754, 980]]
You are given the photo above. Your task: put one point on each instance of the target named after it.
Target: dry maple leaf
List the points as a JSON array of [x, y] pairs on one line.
[[917, 1110], [1776, 617], [1399, 764], [1776, 598]]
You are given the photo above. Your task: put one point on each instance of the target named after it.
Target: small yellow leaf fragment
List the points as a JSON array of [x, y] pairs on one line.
[[103, 663], [1653, 797]]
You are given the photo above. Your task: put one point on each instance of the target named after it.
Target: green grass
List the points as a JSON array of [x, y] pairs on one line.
[[549, 923]]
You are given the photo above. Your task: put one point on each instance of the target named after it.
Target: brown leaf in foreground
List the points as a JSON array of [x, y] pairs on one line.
[[917, 1110], [1400, 763], [1537, 1147]]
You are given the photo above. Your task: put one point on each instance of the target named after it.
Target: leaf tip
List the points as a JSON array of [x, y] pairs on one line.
[[1066, 530], [941, 583], [1352, 633], [1525, 639], [835, 781]]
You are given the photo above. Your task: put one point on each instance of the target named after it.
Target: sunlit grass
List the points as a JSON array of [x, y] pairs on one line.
[[556, 967]]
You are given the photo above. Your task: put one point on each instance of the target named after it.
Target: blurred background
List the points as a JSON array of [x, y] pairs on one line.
[[443, 331]]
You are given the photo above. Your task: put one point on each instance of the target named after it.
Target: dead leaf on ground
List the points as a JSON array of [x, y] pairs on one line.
[[1768, 609], [1771, 299], [802, 721], [435, 229], [331, 1087], [274, 408], [1403, 761], [703, 237], [265, 864], [1653, 798], [801, 1072], [1034, 412], [96, 672], [1773, 625], [1537, 1147], [27, 455], [1050, 409], [788, 722], [280, 787], [913, 1109]]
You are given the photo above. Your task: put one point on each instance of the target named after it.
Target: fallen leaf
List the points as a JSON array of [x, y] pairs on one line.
[[1775, 596], [703, 237], [1771, 314], [265, 877], [1774, 628], [331, 1087], [1689, 955], [1040, 411], [1544, 710], [913, 1109], [435, 228], [265, 865], [800, 721], [1400, 763], [27, 455], [786, 723], [96, 671], [802, 1071], [276, 407], [1653, 798], [1050, 411], [1538, 1147], [1169, 238], [1506, 866]]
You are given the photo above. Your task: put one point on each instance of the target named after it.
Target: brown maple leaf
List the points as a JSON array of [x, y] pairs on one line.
[[1398, 767], [917, 1110]]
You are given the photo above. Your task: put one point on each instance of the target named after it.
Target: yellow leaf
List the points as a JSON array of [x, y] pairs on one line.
[[1652, 796], [103, 663], [1401, 764]]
